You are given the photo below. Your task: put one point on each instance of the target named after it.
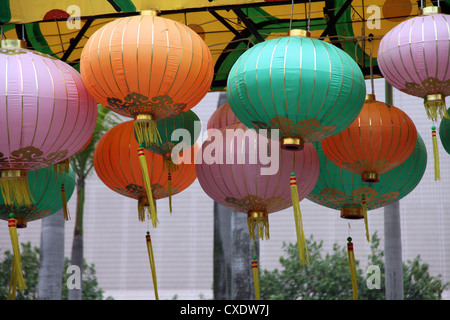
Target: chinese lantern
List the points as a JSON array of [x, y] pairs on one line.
[[222, 117], [306, 88], [46, 115], [118, 166], [233, 175], [413, 57], [44, 186], [177, 133], [147, 68], [340, 189], [444, 133], [378, 140]]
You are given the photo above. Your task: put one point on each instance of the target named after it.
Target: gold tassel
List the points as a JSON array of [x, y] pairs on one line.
[[170, 166], [258, 223], [146, 130], [364, 210], [12, 282], [437, 170], [14, 188], [169, 183], [352, 265], [152, 263], [301, 242], [64, 203], [148, 186], [62, 167], [16, 273], [435, 106], [255, 277]]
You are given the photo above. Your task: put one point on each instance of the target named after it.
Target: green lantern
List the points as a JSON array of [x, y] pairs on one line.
[[307, 88], [444, 133], [343, 190], [46, 189]]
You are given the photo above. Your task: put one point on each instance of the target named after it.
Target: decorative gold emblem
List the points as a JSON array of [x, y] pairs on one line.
[[30, 213], [361, 165], [32, 158], [428, 86], [136, 191], [136, 103], [310, 129], [255, 203]]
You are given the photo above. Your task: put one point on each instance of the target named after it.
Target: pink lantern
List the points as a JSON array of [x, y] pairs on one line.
[[46, 116], [414, 57], [246, 187], [222, 117]]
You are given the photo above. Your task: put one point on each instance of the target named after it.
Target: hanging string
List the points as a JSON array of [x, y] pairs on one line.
[[309, 16], [371, 66], [292, 13]]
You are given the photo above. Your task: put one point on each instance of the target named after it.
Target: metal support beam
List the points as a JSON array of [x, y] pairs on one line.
[[334, 19], [249, 24], [225, 23], [74, 42]]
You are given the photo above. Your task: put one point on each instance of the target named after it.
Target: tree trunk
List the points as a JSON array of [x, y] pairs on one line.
[[77, 245], [51, 257]]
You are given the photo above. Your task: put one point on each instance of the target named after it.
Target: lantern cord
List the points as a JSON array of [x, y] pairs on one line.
[[352, 265], [309, 16], [169, 190], [437, 173], [364, 210], [152, 263], [16, 272], [292, 13], [148, 186], [371, 67], [301, 242]]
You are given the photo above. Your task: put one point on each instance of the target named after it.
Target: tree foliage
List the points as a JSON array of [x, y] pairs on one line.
[[327, 277]]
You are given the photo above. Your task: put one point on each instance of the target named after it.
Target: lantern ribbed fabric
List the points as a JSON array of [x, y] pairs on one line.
[[307, 88], [380, 138], [414, 57], [241, 186], [222, 117], [45, 186], [148, 68], [117, 165], [46, 114], [343, 190], [444, 133]]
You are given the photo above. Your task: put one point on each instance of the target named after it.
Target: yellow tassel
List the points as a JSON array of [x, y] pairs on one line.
[[169, 183], [301, 241], [14, 188], [437, 170], [146, 130], [255, 277], [16, 275], [352, 265], [64, 203], [62, 167], [258, 223], [435, 107], [12, 283], [148, 186], [152, 263], [364, 210]]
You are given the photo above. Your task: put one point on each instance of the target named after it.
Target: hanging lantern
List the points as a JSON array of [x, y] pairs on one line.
[[378, 140], [306, 88], [147, 68], [222, 117], [444, 133], [190, 124], [44, 186], [340, 189], [46, 115], [232, 175], [413, 57]]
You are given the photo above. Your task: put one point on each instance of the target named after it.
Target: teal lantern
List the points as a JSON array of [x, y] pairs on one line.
[[343, 190], [306, 88], [444, 133], [46, 190]]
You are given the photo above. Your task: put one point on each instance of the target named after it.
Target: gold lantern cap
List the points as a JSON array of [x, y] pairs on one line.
[[13, 44], [299, 33], [149, 12], [430, 10], [352, 213]]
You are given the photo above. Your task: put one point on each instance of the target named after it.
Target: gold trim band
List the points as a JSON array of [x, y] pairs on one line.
[[370, 177], [149, 12], [21, 223], [292, 143], [434, 97], [370, 97], [257, 215], [13, 174], [352, 213], [143, 117], [428, 11], [13, 44], [299, 33]]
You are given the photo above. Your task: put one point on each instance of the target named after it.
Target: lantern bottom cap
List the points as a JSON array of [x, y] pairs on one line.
[[352, 213], [370, 177], [21, 223], [292, 143]]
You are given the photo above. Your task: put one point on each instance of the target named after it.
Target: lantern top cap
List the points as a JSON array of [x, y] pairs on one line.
[[150, 12], [430, 10], [370, 97], [13, 44], [299, 33]]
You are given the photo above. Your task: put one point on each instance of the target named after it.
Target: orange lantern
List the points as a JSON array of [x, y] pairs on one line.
[[148, 68], [118, 166], [381, 138]]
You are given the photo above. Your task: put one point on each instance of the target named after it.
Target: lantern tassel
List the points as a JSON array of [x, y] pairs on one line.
[[152, 263], [170, 166], [255, 277], [64, 203], [148, 186], [62, 167], [14, 188], [301, 242], [13, 282], [437, 171], [366, 223], [435, 107], [16, 273], [169, 187], [258, 224], [352, 265], [146, 131]]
